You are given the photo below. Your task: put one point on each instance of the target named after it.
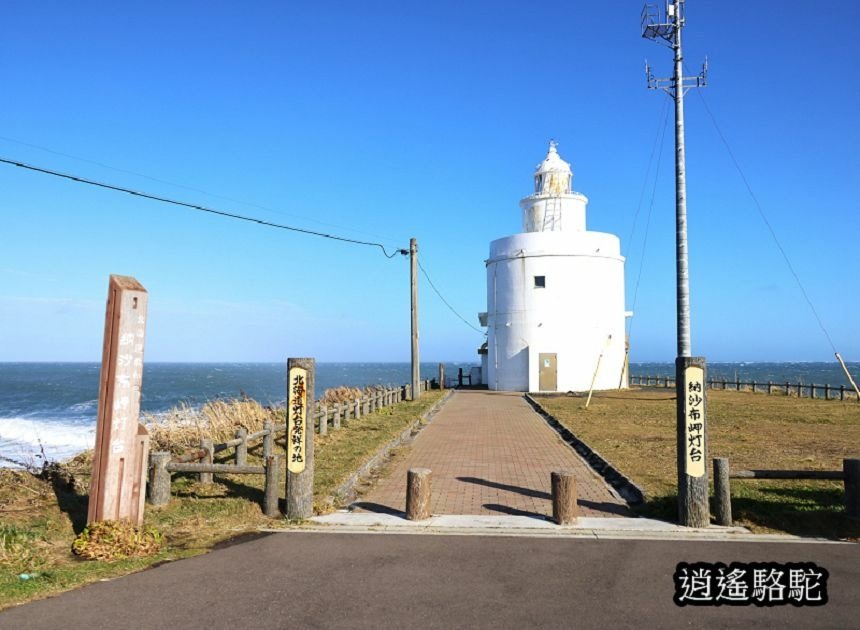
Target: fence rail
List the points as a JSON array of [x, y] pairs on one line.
[[825, 392], [850, 475], [200, 460]]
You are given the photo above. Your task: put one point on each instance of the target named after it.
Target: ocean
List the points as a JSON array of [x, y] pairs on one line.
[[52, 407]]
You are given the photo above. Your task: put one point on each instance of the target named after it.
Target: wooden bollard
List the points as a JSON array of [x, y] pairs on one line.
[[357, 408], [722, 492], [159, 478], [268, 439], [418, 494], [323, 420], [851, 470], [242, 447], [206, 445], [270, 498], [564, 508]]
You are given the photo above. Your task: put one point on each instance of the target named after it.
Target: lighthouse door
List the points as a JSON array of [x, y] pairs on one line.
[[548, 372]]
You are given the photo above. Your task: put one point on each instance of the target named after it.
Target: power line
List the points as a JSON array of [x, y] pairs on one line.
[[183, 186], [766, 222], [657, 138], [648, 220], [193, 206], [432, 286]]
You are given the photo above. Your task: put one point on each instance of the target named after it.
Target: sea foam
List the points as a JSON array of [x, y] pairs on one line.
[[23, 440]]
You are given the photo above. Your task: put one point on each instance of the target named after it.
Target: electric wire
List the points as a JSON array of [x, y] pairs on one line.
[[182, 186], [662, 137], [193, 206], [764, 218], [444, 301], [657, 137]]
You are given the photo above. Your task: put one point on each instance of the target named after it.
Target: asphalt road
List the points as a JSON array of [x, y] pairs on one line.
[[328, 580]]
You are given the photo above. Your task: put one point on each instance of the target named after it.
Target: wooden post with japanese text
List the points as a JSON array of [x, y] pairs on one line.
[[120, 459], [692, 430], [300, 438]]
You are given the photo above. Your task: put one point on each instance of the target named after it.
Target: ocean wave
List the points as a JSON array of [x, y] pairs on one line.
[[25, 439], [83, 407]]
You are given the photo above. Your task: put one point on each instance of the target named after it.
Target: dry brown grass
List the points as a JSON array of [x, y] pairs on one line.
[[183, 427], [635, 431], [340, 395]]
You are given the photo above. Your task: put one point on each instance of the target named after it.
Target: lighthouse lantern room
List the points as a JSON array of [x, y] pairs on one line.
[[555, 295]]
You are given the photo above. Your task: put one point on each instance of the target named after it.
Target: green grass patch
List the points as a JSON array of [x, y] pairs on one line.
[[635, 431]]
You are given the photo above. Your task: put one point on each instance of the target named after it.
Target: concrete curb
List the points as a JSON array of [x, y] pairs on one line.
[[345, 493], [628, 490], [344, 522]]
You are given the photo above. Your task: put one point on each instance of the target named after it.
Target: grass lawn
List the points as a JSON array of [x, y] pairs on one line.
[[39, 517], [635, 431]]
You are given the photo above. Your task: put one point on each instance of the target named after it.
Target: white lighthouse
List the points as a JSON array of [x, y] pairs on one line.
[[555, 295]]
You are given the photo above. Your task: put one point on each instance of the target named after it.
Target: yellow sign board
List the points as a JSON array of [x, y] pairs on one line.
[[297, 413], [694, 422]]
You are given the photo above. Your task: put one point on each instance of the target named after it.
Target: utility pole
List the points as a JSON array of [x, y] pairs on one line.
[[690, 378], [413, 276]]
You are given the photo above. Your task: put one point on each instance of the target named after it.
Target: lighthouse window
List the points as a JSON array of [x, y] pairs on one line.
[[540, 282]]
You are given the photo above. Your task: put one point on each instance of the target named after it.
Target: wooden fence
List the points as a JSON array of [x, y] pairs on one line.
[[201, 460], [850, 475], [825, 392]]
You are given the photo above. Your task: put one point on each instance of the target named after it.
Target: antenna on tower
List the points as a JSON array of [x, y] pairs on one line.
[[656, 22], [665, 24]]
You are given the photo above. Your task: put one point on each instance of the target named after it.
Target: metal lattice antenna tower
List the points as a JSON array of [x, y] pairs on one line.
[[666, 25]]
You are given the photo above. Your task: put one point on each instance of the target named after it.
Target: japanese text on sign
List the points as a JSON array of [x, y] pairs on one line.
[[128, 375], [742, 584], [694, 421], [297, 398]]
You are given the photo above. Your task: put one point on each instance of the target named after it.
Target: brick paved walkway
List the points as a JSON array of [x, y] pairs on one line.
[[490, 453]]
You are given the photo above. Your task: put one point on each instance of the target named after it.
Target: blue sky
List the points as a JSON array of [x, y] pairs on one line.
[[386, 120]]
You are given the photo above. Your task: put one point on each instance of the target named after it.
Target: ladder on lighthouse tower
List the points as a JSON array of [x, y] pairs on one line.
[[552, 214]]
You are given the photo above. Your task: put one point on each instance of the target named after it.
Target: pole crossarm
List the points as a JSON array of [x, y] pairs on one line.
[[668, 84]]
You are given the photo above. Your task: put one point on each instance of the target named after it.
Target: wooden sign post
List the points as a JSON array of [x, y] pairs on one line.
[[692, 430], [118, 485], [300, 438]]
